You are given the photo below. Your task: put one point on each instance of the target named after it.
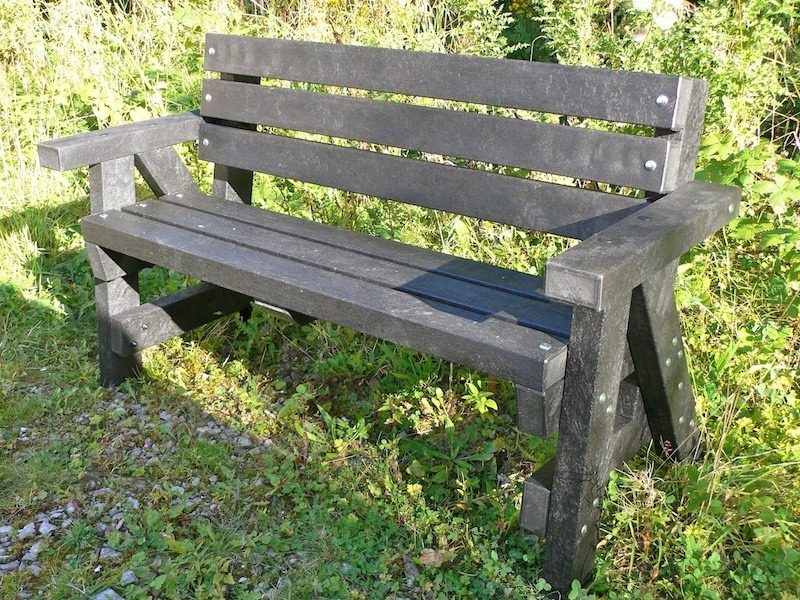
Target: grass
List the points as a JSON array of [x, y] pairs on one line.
[[371, 471]]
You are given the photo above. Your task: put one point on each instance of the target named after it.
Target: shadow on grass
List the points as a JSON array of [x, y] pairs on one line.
[[252, 460]]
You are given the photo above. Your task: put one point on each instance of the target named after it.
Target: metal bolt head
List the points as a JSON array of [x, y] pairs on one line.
[[681, 420], [650, 165], [680, 385], [208, 97], [680, 353], [545, 346], [668, 362], [134, 343], [602, 398], [596, 503], [731, 208], [205, 142], [610, 409], [212, 51], [662, 100], [144, 326], [692, 423], [179, 195], [584, 530], [675, 341]]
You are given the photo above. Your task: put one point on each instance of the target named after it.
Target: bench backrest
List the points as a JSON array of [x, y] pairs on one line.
[[671, 109]]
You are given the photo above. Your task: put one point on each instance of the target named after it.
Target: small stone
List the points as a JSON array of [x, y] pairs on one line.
[[243, 441], [127, 578], [46, 528], [165, 416], [8, 567], [107, 553], [28, 531], [33, 553], [133, 503], [195, 481], [108, 594], [34, 569], [6, 530]]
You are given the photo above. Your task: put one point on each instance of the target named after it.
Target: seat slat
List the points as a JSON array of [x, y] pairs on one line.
[[472, 296], [530, 357], [550, 148], [521, 202], [499, 278], [580, 91]]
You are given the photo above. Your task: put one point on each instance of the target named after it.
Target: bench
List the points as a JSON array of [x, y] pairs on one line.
[[594, 348]]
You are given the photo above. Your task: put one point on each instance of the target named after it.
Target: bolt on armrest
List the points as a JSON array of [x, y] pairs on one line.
[[611, 263], [95, 147]]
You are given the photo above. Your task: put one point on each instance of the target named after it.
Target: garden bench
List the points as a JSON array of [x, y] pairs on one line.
[[594, 348]]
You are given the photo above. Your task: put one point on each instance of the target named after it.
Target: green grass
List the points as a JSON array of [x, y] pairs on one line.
[[372, 471]]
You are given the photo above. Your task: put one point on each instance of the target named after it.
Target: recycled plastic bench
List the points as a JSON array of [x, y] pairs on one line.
[[594, 348]]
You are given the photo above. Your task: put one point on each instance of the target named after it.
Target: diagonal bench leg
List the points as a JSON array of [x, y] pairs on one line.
[[586, 445], [656, 345]]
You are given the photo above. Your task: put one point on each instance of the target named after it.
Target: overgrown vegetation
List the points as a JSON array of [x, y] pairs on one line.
[[285, 461]]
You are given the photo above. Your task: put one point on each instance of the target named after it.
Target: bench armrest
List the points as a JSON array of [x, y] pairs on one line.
[[116, 142], [608, 265]]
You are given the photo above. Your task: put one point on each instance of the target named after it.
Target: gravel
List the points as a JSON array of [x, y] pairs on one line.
[[27, 532], [108, 594], [128, 578]]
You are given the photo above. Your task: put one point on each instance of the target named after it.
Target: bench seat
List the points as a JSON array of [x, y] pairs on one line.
[[480, 315]]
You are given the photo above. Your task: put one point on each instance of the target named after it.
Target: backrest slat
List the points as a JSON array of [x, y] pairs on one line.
[[515, 201], [619, 96], [576, 152]]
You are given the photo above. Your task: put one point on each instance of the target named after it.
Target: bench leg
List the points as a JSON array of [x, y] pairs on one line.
[[656, 345], [587, 445], [116, 289]]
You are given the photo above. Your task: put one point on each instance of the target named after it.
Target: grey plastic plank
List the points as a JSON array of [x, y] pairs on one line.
[[550, 148], [585, 441], [149, 324], [693, 97], [429, 285], [524, 355], [494, 277], [521, 202], [537, 412], [606, 267], [536, 499], [654, 335], [621, 96], [165, 172], [124, 140], [229, 182]]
